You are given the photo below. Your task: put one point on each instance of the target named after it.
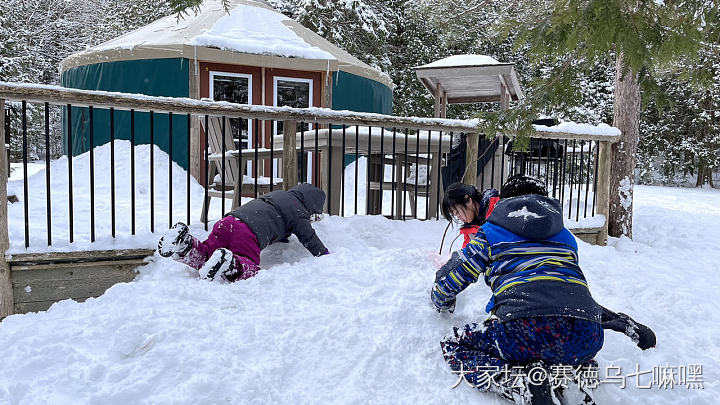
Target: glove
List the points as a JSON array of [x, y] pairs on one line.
[[448, 306]]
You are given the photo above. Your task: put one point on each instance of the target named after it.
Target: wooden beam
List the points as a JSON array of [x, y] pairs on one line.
[[473, 99], [289, 174], [464, 71], [120, 101], [6, 292], [77, 256], [603, 189], [516, 85]]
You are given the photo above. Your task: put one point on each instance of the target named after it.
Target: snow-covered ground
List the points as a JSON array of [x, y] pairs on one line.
[[356, 326]]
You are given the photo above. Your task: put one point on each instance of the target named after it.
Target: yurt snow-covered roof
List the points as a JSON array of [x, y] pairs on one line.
[[250, 33]]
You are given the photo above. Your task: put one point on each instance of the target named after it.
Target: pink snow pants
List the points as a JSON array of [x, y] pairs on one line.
[[232, 234]]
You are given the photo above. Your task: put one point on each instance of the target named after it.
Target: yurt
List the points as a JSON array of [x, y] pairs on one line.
[[248, 53]]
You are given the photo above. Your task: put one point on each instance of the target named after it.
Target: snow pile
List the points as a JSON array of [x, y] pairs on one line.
[[356, 326], [81, 191], [257, 30]]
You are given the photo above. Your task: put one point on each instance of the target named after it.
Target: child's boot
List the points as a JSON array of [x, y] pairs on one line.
[[539, 391], [526, 390], [176, 242], [220, 266]]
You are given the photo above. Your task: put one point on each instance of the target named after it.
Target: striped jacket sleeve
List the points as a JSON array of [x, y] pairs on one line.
[[473, 259]]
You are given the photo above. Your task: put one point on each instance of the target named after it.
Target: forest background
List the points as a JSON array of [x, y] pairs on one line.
[[679, 131]]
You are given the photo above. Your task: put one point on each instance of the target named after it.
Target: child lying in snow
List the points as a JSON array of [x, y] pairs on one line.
[[470, 205], [542, 313], [232, 250]]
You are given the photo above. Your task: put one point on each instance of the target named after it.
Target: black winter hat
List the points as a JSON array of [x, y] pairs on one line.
[[521, 184]]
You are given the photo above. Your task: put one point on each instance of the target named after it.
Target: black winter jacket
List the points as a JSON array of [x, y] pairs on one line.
[[276, 215]]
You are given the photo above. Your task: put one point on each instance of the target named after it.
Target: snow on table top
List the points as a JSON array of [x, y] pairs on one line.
[[463, 60], [357, 326], [257, 30]]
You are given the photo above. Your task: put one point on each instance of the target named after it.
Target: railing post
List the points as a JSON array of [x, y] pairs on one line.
[[290, 176], [603, 189], [471, 156], [6, 292], [6, 127]]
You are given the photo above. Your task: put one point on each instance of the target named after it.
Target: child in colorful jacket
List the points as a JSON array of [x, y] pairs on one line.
[[541, 307], [232, 250], [480, 205]]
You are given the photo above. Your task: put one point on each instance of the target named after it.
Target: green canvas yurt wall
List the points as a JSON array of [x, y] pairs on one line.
[[357, 93], [152, 77], [169, 77]]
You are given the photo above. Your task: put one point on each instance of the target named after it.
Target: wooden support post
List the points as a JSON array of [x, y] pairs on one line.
[[290, 175], [439, 101], [6, 292], [331, 187], [504, 95], [471, 157], [328, 90], [443, 107], [602, 196], [195, 160]]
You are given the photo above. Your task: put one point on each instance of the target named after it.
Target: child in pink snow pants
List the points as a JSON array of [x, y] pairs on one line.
[[232, 250]]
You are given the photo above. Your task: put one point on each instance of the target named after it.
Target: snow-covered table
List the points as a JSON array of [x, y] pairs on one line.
[[374, 143]]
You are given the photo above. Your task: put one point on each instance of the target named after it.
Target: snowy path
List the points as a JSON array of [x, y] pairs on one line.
[[356, 326]]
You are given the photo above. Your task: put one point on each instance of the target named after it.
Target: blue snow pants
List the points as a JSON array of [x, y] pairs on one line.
[[553, 339]]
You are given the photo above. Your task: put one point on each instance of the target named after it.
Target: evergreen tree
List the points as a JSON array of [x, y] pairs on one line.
[[684, 138], [644, 36]]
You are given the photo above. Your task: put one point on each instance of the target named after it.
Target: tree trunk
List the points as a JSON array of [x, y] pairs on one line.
[[700, 176], [626, 117], [704, 175]]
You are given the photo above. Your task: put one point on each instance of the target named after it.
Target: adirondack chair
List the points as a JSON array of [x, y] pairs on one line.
[[233, 172], [235, 163]]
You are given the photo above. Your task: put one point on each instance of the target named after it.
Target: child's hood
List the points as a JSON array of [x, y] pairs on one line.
[[532, 216], [312, 197]]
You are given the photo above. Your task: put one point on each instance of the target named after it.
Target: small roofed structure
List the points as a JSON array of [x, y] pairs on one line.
[[469, 79], [463, 79]]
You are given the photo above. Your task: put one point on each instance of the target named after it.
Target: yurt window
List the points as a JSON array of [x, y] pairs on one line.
[[234, 88], [292, 92]]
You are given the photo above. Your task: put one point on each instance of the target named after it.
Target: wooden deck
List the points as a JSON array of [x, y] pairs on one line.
[[40, 279]]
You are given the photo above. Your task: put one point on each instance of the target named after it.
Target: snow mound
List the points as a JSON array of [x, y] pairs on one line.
[[356, 326]]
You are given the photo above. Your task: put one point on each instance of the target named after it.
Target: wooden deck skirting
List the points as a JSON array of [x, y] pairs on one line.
[[590, 235], [37, 280]]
